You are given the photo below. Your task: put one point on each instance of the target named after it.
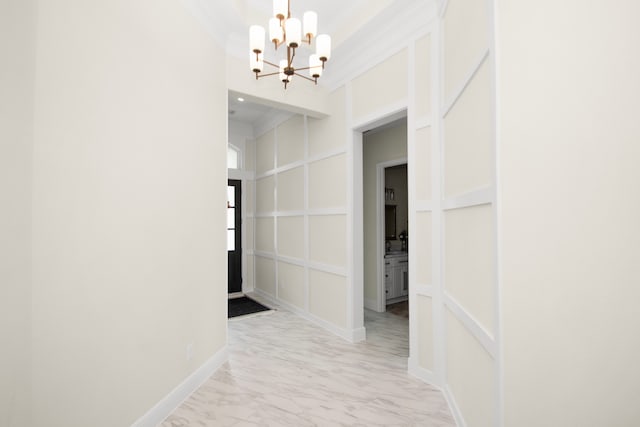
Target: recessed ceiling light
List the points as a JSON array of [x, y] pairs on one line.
[[241, 99]]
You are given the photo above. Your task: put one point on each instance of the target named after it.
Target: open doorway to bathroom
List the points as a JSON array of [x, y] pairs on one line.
[[385, 232]]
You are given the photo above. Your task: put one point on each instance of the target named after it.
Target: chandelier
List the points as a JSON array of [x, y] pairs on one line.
[[288, 31]]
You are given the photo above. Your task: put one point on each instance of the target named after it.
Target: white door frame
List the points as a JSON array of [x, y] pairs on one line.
[[381, 299], [356, 234]]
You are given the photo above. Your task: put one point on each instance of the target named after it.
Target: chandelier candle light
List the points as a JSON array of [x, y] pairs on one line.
[[285, 30]]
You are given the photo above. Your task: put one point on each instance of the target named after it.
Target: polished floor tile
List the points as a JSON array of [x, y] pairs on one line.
[[286, 371]]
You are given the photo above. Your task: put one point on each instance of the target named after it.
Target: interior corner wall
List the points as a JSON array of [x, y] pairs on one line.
[[378, 147], [17, 50], [301, 211], [569, 98], [129, 284]]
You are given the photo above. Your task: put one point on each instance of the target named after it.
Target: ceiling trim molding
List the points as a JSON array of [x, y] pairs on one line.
[[216, 22]]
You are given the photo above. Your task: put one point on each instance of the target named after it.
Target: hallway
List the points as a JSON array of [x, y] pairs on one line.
[[286, 371]]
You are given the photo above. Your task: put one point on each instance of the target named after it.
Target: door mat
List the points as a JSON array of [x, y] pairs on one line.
[[243, 306]]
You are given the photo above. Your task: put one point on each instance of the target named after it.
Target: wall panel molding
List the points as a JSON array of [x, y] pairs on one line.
[[351, 335], [449, 104], [472, 325], [483, 196]]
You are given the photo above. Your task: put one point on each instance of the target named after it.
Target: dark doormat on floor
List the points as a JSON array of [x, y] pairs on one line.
[[244, 305]]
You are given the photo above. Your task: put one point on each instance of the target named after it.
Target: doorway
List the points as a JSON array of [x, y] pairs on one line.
[[234, 235], [385, 214], [385, 229]]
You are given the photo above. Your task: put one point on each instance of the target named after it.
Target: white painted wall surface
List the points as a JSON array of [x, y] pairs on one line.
[[569, 97], [17, 68], [372, 92], [129, 208]]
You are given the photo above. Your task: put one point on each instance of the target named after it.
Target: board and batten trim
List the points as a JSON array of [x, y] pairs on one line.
[[486, 195], [465, 83], [351, 335], [469, 199], [471, 324], [300, 163]]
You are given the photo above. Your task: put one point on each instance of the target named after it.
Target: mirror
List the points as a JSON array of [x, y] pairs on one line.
[[390, 222]]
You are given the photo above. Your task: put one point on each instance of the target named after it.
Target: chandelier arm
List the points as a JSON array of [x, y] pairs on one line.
[[272, 64], [304, 77], [268, 74]]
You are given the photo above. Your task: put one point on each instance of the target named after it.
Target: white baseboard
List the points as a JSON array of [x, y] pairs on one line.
[[358, 334], [351, 335], [453, 406], [415, 370], [170, 402], [371, 304], [429, 377]]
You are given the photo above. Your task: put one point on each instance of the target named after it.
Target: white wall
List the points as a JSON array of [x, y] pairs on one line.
[[377, 147], [569, 148], [17, 53], [129, 208]]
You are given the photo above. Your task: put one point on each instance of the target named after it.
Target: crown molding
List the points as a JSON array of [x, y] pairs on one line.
[[383, 36], [218, 18]]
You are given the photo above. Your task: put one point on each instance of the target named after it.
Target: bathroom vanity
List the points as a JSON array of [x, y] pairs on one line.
[[396, 276]]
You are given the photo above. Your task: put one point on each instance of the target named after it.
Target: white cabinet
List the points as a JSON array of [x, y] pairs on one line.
[[396, 277]]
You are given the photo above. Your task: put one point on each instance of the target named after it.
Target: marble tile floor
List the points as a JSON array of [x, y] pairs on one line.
[[285, 371]]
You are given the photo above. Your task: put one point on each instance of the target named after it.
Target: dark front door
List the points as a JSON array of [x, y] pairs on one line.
[[234, 235]]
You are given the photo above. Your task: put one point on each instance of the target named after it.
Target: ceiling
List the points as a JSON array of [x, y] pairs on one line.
[[247, 111], [230, 19]]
